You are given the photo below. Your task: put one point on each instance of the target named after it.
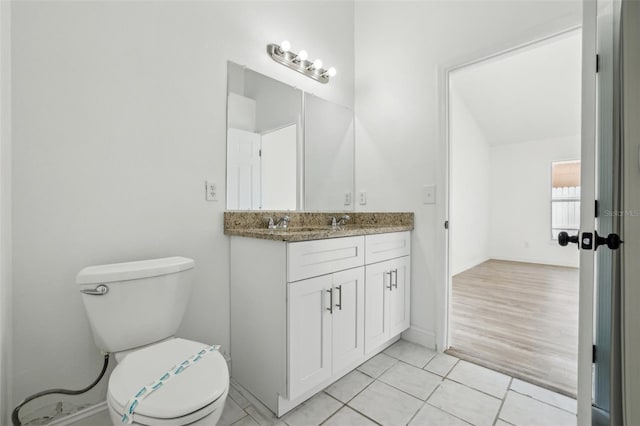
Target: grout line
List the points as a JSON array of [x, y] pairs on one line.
[[477, 390], [504, 398], [451, 414], [242, 418], [544, 402]]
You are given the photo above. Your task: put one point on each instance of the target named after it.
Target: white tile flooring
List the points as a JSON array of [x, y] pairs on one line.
[[408, 384]]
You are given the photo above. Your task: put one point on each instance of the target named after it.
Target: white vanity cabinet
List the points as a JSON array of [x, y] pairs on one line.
[[303, 314], [326, 327], [388, 287]]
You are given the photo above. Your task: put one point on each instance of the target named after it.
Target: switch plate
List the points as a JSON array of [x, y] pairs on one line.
[[429, 194], [363, 198], [347, 198], [211, 191]]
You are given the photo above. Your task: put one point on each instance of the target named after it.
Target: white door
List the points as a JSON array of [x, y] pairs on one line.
[[376, 322], [399, 311], [348, 318], [243, 170], [309, 333], [279, 171]]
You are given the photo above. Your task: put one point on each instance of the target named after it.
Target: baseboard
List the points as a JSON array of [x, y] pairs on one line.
[[471, 264], [419, 336], [79, 415], [535, 261]]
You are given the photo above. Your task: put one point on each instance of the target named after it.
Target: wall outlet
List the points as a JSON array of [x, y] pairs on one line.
[[363, 198], [429, 194], [347, 198], [211, 191]]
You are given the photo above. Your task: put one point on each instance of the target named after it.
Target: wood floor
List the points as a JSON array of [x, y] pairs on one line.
[[520, 319]]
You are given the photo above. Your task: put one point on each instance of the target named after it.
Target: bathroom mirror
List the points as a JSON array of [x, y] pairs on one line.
[[328, 155], [264, 142], [276, 160]]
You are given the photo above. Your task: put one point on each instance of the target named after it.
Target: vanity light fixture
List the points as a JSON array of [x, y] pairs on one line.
[[298, 61]]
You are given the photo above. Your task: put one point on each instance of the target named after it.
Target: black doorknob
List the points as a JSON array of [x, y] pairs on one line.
[[612, 241], [564, 239]]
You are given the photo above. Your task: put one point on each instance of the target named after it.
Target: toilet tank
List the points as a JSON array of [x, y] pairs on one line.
[[144, 301]]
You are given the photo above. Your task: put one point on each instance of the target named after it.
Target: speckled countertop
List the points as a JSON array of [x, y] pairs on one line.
[[306, 226]]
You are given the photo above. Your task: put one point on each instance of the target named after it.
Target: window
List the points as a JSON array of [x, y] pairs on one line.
[[565, 197]]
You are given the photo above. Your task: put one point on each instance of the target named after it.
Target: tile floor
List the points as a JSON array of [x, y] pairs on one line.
[[408, 384]]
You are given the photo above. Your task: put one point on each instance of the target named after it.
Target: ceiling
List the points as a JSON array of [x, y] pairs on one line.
[[528, 94]]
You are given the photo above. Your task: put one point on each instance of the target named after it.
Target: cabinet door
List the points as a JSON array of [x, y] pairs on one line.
[[399, 295], [376, 322], [309, 325], [348, 318]]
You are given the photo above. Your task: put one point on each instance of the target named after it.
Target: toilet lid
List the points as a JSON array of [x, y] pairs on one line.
[[196, 387]]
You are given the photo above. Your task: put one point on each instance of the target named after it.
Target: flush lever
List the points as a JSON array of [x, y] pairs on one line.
[[101, 290]]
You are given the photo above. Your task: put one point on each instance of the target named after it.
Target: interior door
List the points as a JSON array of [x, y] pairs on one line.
[[243, 170], [599, 335], [309, 316], [348, 318]]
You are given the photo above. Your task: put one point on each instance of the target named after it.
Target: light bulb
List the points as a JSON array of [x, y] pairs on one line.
[[317, 64], [285, 46], [303, 55], [331, 72]]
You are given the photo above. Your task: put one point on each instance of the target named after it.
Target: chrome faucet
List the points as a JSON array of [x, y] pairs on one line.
[[339, 222], [283, 222], [270, 223]]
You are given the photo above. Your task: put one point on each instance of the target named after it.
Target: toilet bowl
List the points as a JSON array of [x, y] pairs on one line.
[[134, 309], [196, 396]]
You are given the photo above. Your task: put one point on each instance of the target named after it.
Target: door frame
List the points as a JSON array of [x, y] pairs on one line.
[[442, 272]]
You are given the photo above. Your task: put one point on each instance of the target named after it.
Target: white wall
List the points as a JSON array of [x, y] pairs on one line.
[[119, 116], [401, 48], [470, 191], [520, 201], [5, 211], [631, 203]]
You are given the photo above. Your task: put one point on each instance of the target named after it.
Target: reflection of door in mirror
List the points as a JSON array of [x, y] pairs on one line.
[[279, 168], [264, 118]]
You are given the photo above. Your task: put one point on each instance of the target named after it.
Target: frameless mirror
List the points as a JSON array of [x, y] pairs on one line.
[[328, 155], [277, 161], [264, 138]]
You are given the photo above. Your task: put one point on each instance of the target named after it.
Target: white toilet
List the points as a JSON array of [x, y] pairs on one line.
[[134, 309]]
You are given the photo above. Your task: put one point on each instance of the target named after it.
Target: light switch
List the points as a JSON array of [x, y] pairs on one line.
[[429, 194], [363, 198], [347, 198]]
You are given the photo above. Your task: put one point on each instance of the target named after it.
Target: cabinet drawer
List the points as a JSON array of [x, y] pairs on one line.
[[313, 258], [381, 247]]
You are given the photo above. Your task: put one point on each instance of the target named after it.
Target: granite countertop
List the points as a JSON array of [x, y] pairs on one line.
[[306, 226]]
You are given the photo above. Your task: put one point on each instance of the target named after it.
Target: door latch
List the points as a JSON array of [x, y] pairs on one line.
[[591, 240]]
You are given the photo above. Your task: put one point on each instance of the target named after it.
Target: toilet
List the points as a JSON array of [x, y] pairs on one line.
[[134, 310]]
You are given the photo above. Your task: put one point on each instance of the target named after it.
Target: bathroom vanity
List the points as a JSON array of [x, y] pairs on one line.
[[311, 302]]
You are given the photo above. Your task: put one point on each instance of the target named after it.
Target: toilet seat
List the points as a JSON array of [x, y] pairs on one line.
[[184, 398]]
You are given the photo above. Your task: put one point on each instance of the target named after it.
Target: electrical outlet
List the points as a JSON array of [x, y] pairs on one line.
[[363, 198], [347, 198], [211, 191], [429, 194]]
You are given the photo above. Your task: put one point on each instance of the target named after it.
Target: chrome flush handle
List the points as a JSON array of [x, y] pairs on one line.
[[101, 290]]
